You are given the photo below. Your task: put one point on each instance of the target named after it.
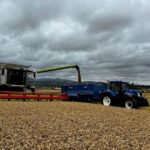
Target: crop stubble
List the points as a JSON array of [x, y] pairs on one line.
[[70, 125]]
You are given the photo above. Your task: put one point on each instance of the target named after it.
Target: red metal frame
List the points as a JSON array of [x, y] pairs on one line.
[[34, 95]]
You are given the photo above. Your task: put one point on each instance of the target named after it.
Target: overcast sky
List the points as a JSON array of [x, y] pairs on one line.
[[108, 39]]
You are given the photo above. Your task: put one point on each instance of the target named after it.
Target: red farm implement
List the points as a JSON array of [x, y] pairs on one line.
[[32, 95]]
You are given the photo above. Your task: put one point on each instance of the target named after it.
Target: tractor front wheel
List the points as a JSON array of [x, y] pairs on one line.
[[107, 101]]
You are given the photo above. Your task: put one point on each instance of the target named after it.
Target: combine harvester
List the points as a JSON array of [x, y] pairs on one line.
[[16, 79]]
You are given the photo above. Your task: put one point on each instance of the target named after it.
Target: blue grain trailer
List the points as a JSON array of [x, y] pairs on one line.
[[84, 92]]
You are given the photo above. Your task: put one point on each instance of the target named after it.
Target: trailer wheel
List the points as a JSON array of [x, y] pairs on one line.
[[130, 104], [107, 101]]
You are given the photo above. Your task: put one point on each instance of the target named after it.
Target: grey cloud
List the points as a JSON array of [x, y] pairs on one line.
[[107, 39], [27, 15], [73, 43], [105, 22], [33, 40]]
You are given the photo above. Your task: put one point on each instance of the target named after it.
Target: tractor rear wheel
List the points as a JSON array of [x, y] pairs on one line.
[[144, 102], [107, 101], [130, 104]]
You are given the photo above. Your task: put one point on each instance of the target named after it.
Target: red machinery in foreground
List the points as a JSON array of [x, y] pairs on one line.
[[33, 95]]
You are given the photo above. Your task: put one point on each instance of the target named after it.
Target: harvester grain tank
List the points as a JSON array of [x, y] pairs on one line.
[[62, 68]]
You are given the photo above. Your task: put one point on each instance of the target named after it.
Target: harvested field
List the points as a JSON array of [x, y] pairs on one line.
[[70, 125], [147, 95]]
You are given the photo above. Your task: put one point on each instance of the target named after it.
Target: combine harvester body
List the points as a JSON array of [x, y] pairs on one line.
[[14, 77], [114, 93]]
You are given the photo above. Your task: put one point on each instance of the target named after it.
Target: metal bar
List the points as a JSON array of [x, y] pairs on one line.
[[56, 68], [37, 96], [61, 68], [31, 97], [28, 93]]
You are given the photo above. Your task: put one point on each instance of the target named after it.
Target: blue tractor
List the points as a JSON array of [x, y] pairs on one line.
[[114, 93], [118, 93]]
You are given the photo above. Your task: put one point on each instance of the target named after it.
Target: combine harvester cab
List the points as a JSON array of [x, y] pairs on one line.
[[14, 77], [119, 93]]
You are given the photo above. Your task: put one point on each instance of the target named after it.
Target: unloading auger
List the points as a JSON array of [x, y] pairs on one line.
[[61, 68]]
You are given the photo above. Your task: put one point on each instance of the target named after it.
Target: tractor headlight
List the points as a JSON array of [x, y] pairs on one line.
[[139, 94], [142, 94]]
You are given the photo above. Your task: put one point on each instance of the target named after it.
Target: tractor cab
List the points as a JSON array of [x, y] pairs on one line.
[[118, 87]]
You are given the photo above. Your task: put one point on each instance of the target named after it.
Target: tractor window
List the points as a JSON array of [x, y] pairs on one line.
[[115, 86], [125, 86]]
